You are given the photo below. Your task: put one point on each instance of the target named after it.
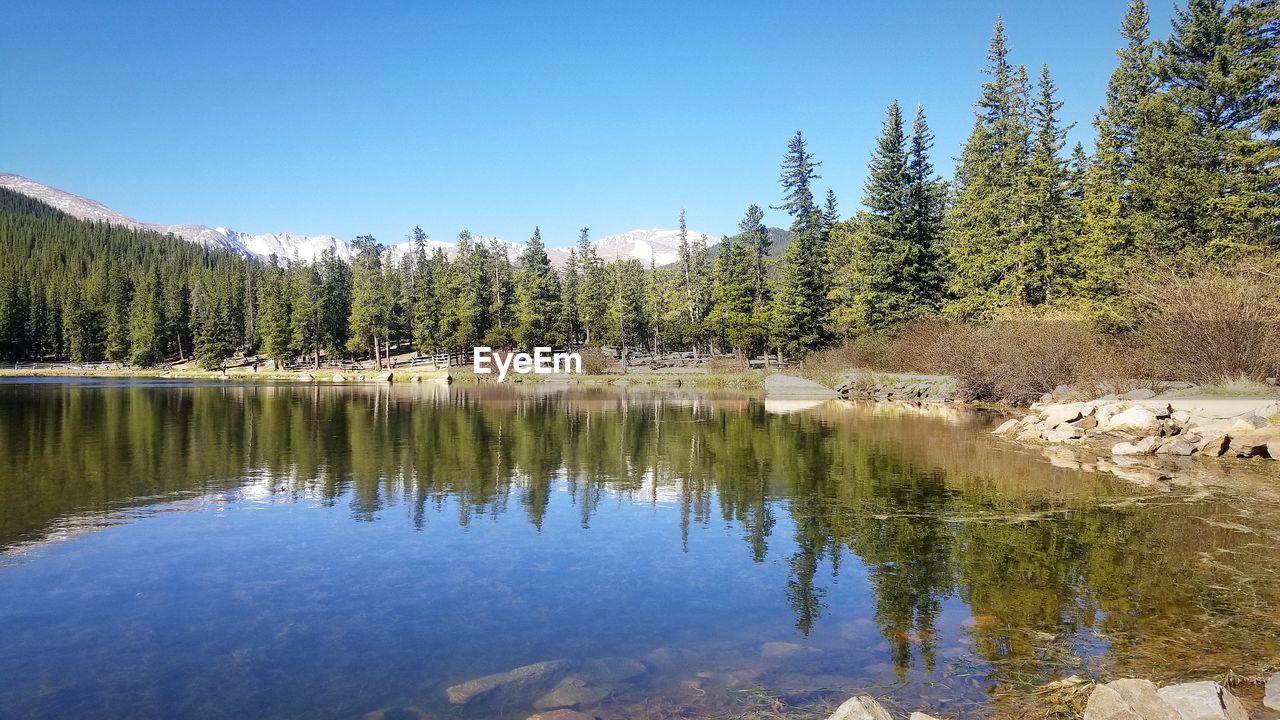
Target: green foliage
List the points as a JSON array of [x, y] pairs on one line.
[[799, 313], [537, 307], [885, 265]]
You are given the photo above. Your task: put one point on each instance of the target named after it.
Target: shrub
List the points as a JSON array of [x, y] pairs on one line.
[[1212, 325], [595, 361]]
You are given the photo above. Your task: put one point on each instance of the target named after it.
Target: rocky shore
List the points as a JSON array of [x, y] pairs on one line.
[[1140, 423], [1127, 699]]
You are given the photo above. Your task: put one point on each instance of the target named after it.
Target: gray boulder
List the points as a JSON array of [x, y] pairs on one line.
[[1272, 697], [1129, 699], [1205, 700]]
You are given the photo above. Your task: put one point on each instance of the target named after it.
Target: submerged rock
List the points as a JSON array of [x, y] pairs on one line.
[[521, 683], [1205, 700], [570, 692], [560, 715], [860, 707], [607, 671], [779, 649], [398, 713]]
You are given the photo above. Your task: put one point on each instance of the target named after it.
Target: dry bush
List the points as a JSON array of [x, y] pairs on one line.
[[1211, 325], [595, 361], [1015, 358], [723, 364], [1036, 353], [919, 346]]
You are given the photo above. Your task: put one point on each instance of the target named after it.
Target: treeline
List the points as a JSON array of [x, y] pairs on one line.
[[1185, 173]]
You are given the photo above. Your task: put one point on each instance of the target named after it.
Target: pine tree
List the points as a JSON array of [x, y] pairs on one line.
[[1049, 253], [1207, 133], [369, 307], [502, 295], [146, 322], [695, 284], [625, 318], [424, 303], [275, 308], [925, 221], [335, 303], [800, 302], [537, 307], [592, 301], [305, 288], [988, 221], [1107, 203], [119, 292], [570, 323]]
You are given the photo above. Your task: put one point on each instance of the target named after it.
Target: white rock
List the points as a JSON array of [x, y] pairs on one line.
[[792, 386], [1006, 426], [1136, 420], [860, 707], [1056, 415], [1205, 700], [1125, 448], [1272, 697]]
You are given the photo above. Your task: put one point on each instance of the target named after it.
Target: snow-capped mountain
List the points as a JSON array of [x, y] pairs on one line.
[[662, 246], [659, 245], [284, 245]]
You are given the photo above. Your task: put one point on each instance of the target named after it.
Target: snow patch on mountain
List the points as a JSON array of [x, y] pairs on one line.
[[658, 245]]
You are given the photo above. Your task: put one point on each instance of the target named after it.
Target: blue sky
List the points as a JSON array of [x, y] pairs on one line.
[[351, 118]]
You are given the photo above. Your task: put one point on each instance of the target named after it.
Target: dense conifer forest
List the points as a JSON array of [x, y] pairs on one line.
[[1184, 175]]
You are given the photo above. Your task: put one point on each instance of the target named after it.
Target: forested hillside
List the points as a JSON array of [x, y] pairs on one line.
[[1184, 176]]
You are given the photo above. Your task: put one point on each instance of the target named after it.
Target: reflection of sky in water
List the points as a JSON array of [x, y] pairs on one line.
[[912, 562]]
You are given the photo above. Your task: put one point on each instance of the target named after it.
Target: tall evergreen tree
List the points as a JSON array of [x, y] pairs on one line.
[[370, 312], [275, 308], [592, 301], [800, 302], [570, 323], [537, 307], [1049, 255], [146, 322], [1107, 204], [988, 220]]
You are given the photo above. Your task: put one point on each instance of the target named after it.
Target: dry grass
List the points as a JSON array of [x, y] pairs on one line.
[[1214, 324]]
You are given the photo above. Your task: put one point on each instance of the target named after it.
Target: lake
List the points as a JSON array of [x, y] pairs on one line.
[[223, 551]]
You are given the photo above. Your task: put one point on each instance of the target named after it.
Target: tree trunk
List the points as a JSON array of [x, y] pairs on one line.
[[377, 354], [316, 354], [624, 357]]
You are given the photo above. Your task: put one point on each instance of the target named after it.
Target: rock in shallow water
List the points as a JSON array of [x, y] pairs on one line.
[[1129, 700], [560, 715], [860, 707], [570, 692], [526, 681]]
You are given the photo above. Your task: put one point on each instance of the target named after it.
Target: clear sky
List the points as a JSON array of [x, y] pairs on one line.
[[371, 117]]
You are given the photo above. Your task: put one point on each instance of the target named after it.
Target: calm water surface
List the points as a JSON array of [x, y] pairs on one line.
[[215, 551]]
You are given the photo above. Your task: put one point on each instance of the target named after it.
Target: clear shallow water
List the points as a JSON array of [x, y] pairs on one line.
[[326, 551]]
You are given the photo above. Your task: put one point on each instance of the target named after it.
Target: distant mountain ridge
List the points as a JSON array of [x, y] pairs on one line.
[[655, 244]]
